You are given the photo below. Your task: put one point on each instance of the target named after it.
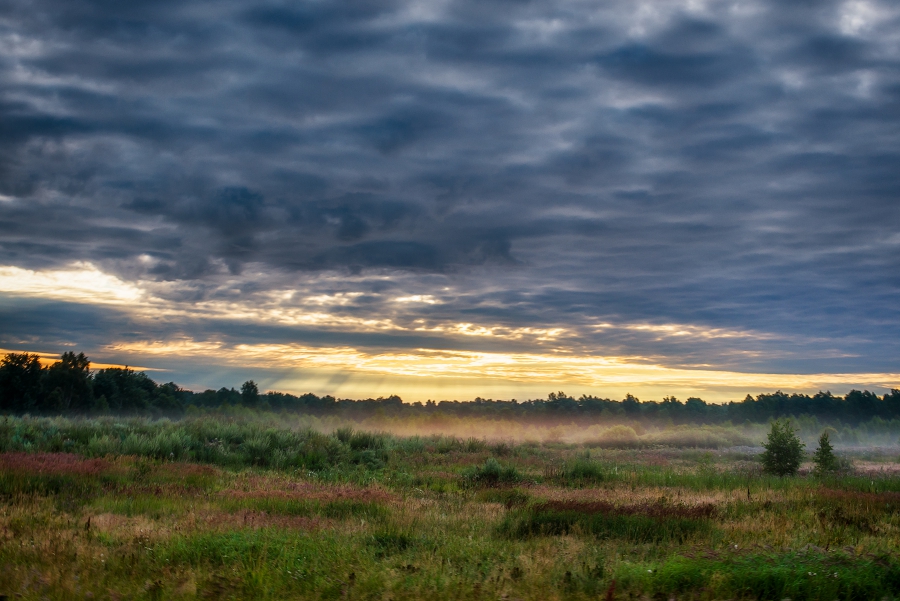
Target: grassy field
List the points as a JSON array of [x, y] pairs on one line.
[[262, 508]]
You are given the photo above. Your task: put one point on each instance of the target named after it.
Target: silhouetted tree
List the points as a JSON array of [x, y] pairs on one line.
[[169, 397], [69, 383], [561, 402], [631, 404], [20, 382], [892, 403], [249, 393], [125, 389], [695, 408], [863, 405]]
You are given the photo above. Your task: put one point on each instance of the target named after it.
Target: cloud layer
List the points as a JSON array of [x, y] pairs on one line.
[[690, 184]]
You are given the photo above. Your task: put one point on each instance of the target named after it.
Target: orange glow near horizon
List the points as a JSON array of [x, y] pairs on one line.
[[554, 358], [48, 359], [430, 373]]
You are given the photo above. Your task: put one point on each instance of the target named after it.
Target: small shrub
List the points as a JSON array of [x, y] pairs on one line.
[[474, 445], [492, 473], [257, 450], [588, 579], [447, 444], [370, 458], [583, 471], [343, 434], [618, 437], [391, 541], [824, 457], [360, 441], [784, 451], [501, 449]]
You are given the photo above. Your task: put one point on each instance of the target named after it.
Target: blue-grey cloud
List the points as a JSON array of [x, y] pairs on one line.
[[554, 164]]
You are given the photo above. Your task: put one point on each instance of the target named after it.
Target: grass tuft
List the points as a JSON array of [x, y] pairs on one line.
[[492, 473]]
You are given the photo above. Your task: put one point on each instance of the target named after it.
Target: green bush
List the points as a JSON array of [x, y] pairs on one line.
[[618, 437], [583, 471], [492, 472], [824, 457]]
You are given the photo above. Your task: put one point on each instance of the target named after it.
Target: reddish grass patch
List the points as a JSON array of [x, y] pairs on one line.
[[655, 459], [157, 490], [52, 463], [188, 470], [456, 458]]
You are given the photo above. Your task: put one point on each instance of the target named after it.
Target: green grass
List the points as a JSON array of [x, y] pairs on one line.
[[542, 520], [794, 576], [492, 473], [249, 509], [338, 509]]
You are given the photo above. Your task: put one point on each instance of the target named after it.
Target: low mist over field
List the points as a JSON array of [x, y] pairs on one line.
[[70, 387]]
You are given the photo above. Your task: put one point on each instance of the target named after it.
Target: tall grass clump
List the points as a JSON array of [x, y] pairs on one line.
[[492, 473], [581, 471], [617, 437]]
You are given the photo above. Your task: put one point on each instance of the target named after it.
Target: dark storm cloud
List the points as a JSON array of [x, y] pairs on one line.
[[730, 167]]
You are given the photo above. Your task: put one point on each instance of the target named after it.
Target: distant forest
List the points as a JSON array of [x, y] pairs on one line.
[[69, 386]]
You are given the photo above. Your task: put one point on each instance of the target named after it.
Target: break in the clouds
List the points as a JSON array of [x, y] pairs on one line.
[[698, 187]]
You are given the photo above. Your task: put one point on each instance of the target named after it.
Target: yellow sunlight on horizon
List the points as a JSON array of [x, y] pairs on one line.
[[425, 373], [421, 372]]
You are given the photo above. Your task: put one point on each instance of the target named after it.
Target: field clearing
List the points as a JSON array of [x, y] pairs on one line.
[[225, 508]]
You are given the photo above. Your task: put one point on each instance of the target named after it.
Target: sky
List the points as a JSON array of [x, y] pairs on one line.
[[446, 199]]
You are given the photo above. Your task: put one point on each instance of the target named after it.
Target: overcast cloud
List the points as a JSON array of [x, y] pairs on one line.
[[600, 170]]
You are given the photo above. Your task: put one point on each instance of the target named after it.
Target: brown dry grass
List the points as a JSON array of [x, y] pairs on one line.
[[224, 521]]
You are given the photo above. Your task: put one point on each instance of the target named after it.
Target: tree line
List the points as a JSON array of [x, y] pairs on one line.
[[70, 386]]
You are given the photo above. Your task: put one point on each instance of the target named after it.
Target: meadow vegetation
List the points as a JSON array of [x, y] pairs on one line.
[[266, 506]]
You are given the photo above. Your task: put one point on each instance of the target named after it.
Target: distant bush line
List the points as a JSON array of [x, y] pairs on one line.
[[69, 386]]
